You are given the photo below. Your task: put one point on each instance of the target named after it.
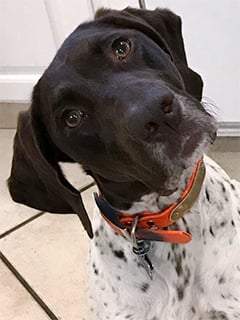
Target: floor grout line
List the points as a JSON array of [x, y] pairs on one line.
[[22, 224], [25, 284], [18, 226], [14, 271], [86, 187]]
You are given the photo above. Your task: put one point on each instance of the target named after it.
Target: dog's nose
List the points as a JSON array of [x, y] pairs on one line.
[[154, 116]]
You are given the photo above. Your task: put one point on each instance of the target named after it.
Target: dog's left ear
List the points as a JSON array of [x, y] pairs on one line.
[[169, 28]]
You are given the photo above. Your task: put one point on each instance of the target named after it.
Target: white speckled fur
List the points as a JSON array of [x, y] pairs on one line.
[[199, 280]]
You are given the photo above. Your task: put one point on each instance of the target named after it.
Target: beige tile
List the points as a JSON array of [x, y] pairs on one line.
[[229, 161], [16, 302], [9, 113], [226, 144], [11, 213], [226, 152], [50, 253]]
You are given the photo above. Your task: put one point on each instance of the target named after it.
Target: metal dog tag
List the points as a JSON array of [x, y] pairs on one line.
[[141, 248]]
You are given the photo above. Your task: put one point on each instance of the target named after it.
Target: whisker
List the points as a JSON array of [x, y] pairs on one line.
[[211, 107]]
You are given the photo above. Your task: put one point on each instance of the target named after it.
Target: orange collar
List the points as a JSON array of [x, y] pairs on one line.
[[154, 226]]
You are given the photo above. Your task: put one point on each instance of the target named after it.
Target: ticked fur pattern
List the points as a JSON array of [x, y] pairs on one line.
[[195, 281]]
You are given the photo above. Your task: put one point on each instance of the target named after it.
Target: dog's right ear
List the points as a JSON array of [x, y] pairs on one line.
[[165, 28], [36, 178]]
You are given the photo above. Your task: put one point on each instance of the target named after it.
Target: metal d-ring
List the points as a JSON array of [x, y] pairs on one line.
[[133, 232], [140, 247]]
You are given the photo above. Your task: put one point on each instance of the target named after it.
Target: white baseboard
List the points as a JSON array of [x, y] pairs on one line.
[[229, 129], [17, 88]]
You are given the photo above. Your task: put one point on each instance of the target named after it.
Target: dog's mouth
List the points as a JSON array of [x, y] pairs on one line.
[[165, 166], [164, 180]]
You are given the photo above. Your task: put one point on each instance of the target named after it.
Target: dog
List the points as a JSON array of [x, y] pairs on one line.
[[120, 99]]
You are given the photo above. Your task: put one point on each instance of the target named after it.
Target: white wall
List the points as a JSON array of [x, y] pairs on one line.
[[30, 33], [211, 31], [32, 30], [115, 4]]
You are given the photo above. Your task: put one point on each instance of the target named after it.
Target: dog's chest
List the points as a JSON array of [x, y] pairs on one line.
[[184, 275], [124, 286]]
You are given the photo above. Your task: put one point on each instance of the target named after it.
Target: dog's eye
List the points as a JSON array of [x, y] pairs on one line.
[[73, 118], [121, 48]]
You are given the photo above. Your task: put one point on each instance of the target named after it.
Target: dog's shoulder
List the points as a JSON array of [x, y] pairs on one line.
[[217, 179], [220, 215], [221, 198]]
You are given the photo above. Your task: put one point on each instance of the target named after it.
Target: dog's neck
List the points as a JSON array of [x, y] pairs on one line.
[[154, 202], [131, 199], [149, 201], [149, 224]]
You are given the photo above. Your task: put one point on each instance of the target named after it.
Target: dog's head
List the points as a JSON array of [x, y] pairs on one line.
[[120, 99]]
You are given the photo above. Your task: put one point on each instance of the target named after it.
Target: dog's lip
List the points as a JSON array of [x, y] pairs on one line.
[[190, 144], [156, 185], [157, 180]]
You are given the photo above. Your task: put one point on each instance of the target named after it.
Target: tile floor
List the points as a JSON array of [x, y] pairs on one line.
[[42, 266], [42, 270]]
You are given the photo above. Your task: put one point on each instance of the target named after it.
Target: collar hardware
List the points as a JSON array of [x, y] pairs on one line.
[[141, 248], [154, 226]]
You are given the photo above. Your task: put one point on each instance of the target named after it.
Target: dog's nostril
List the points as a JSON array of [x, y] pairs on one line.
[[152, 127], [166, 103], [167, 108]]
